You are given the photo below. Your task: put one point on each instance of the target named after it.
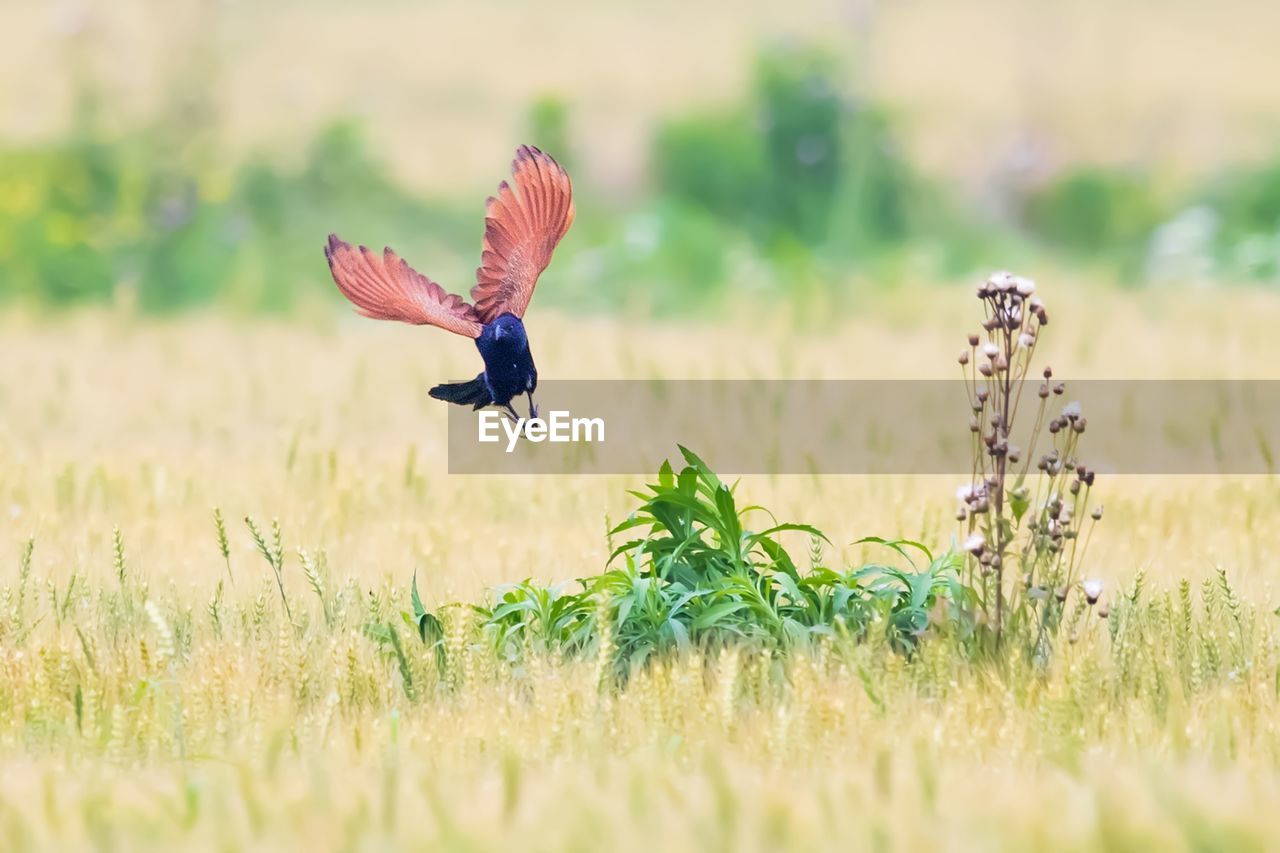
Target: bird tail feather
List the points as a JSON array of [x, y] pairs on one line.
[[473, 393]]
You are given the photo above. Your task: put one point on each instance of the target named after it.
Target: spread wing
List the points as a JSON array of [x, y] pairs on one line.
[[384, 287], [522, 226]]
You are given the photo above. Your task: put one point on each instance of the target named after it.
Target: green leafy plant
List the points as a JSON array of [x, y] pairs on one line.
[[913, 599], [700, 577], [541, 618]]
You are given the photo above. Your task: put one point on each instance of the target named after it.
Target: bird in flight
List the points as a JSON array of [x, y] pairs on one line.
[[522, 225]]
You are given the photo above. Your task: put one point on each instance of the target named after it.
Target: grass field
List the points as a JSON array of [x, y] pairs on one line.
[[164, 687], [140, 707]]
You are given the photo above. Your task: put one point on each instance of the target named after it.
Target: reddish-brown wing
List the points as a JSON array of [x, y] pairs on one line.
[[384, 287], [522, 226]]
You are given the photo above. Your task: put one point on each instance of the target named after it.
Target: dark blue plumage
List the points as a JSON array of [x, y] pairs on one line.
[[509, 370]]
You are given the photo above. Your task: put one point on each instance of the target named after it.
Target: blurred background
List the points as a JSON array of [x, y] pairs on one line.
[[158, 156]]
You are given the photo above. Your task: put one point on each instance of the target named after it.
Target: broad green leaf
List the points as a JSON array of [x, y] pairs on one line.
[[713, 614]]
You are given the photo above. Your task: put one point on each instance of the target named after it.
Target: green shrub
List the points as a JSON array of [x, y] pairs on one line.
[[97, 217], [715, 163], [799, 162], [801, 116], [1245, 223], [1095, 211], [542, 619], [813, 179], [548, 124], [1247, 200], [699, 577]]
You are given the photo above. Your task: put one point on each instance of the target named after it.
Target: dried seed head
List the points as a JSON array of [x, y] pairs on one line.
[[1026, 340], [1061, 594], [973, 340], [985, 368], [1048, 373], [1103, 611], [1054, 426], [1092, 590], [1075, 487], [961, 514], [1060, 389], [1071, 410], [1044, 390], [975, 543], [1000, 281], [964, 357], [974, 425], [1097, 513], [1002, 363], [990, 350], [983, 394], [1024, 286], [1079, 424]]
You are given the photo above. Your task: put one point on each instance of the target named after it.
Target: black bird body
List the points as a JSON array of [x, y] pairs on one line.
[[509, 370], [523, 224]]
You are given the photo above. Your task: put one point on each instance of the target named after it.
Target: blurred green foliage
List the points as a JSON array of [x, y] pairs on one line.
[[798, 163], [1091, 210], [132, 218], [549, 128], [803, 184], [1245, 240], [1227, 229], [1247, 200], [798, 189]]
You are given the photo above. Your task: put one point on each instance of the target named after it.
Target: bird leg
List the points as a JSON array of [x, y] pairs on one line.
[[533, 407], [510, 411]]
